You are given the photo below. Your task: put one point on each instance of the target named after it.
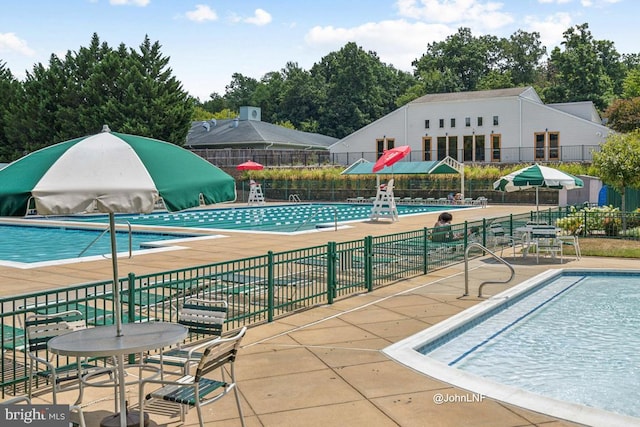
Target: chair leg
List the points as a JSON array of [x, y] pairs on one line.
[[237, 393]]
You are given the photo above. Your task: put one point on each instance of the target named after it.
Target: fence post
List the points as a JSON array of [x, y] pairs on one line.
[[131, 307], [425, 251], [331, 271], [270, 296], [368, 263]]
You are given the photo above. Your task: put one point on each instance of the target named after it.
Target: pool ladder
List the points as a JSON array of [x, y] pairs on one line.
[[294, 198], [486, 282], [105, 232], [313, 215]]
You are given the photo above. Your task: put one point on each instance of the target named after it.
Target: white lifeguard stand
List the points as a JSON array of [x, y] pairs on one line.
[[384, 206], [255, 194]]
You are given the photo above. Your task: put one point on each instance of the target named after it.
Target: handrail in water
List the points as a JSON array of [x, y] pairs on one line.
[[313, 215], [486, 282], [105, 232]]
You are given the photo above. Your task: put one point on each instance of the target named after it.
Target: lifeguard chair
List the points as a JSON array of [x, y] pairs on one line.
[[384, 206], [255, 194]]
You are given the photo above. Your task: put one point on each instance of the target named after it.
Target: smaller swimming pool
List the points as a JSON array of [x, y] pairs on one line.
[[564, 343], [280, 218], [37, 244]]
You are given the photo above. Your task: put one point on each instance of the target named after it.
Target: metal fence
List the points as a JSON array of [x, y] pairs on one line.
[[262, 288]]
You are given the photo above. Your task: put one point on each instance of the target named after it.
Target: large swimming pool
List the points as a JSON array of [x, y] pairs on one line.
[[564, 343], [279, 218], [26, 246]]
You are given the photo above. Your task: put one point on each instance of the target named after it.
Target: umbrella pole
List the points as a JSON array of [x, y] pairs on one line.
[[116, 282], [537, 206]]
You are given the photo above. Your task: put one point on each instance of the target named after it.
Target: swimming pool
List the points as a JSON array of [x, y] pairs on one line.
[[564, 343], [36, 245], [280, 218]]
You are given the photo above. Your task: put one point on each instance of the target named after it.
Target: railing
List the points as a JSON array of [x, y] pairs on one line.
[[105, 232], [294, 198], [486, 282], [258, 289], [313, 215]]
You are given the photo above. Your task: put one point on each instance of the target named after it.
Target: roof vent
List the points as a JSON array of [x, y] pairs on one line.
[[206, 126], [214, 122], [105, 128]]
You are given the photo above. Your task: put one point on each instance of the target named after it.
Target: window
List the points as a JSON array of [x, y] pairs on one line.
[[453, 147], [479, 121], [426, 124], [496, 122], [384, 144], [539, 146], [442, 147], [467, 148], [379, 147], [554, 146], [453, 123], [426, 148], [467, 121], [495, 147], [479, 148], [441, 123]]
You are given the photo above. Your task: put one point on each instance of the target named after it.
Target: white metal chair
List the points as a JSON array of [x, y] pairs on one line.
[[545, 239], [199, 390], [572, 240], [497, 237], [40, 328], [203, 317]]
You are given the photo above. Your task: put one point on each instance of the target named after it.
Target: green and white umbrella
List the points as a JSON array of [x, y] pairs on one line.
[[111, 173], [537, 176]]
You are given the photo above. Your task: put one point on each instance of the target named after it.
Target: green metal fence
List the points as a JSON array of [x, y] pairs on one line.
[[262, 288]]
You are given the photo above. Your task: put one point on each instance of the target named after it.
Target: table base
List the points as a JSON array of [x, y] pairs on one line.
[[133, 420]]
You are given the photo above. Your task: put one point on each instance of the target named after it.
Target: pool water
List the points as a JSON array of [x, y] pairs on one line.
[[575, 339], [29, 244], [282, 218]]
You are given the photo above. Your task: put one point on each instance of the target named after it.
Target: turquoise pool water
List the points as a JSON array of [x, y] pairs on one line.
[[29, 244], [571, 338], [282, 218]]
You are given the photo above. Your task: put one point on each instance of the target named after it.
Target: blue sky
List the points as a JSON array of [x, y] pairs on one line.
[[209, 40]]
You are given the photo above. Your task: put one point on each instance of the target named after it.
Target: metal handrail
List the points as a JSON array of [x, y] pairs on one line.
[[313, 215], [294, 198], [486, 282], [105, 232]]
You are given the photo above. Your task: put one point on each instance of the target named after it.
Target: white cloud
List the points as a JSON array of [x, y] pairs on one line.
[[396, 42], [260, 17], [141, 3], [550, 29], [475, 12], [202, 13], [9, 42], [555, 1], [598, 3]]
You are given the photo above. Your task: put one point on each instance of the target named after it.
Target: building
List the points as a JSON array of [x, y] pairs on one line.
[[494, 126], [249, 131]]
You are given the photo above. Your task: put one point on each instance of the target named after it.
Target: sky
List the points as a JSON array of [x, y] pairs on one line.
[[208, 41]]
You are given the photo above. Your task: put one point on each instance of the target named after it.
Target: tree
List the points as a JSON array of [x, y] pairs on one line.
[[131, 91], [618, 163], [522, 53], [9, 91], [631, 84], [585, 71], [624, 114], [458, 63]]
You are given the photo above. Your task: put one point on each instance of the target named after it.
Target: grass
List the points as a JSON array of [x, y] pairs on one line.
[[603, 247]]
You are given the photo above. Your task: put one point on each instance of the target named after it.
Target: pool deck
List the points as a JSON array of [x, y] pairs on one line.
[[324, 366]]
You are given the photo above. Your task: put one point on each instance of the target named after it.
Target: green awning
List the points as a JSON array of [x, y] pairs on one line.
[[364, 167]]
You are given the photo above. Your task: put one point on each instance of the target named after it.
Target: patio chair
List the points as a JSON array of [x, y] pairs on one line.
[[497, 237], [545, 239], [202, 317], [40, 328], [199, 390], [572, 240]]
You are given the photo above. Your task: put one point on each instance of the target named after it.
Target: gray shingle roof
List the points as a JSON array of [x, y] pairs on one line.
[[466, 96], [253, 134]]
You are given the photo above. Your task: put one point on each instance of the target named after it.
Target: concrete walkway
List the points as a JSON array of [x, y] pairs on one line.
[[324, 366]]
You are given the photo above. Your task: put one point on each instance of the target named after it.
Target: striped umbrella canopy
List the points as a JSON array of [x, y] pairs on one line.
[[537, 176], [111, 173]]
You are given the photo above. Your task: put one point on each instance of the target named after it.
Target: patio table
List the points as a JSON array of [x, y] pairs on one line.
[[102, 341]]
